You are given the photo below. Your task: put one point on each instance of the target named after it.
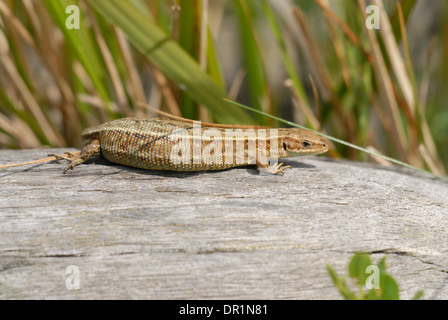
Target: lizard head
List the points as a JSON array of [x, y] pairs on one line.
[[298, 142]]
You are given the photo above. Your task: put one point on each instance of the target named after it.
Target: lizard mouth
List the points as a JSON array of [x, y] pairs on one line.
[[317, 147]]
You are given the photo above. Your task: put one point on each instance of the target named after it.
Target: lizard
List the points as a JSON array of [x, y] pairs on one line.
[[153, 143]]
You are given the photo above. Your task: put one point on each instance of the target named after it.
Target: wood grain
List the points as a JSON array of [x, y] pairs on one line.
[[233, 234]]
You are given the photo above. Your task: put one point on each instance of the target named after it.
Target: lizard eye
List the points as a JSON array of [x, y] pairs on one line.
[[306, 144], [284, 146]]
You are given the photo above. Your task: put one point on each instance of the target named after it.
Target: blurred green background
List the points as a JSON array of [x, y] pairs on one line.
[[310, 61]]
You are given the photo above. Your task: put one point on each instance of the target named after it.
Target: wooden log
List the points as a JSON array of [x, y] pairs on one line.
[[234, 234]]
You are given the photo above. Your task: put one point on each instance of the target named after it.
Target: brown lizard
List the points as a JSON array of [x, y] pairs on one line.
[[176, 145]]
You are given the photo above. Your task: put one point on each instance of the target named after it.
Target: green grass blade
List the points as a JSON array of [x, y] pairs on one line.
[[407, 7], [289, 65], [341, 284], [252, 52], [170, 58], [213, 65], [189, 41], [80, 44]]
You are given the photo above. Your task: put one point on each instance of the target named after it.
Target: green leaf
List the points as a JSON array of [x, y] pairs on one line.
[[373, 294], [357, 267], [418, 295], [389, 288], [382, 265]]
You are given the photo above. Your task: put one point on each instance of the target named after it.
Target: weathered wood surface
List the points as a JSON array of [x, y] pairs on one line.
[[231, 235]]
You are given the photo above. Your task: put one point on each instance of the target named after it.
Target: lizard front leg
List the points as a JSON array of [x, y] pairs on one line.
[[91, 150], [274, 169], [263, 164]]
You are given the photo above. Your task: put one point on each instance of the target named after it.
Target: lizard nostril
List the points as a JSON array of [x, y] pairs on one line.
[[323, 143]]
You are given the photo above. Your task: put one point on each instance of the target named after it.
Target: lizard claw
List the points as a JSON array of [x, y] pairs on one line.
[[280, 168], [71, 166], [275, 169], [75, 159], [92, 149]]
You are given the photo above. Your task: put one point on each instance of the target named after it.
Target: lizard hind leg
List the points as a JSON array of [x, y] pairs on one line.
[[90, 150]]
